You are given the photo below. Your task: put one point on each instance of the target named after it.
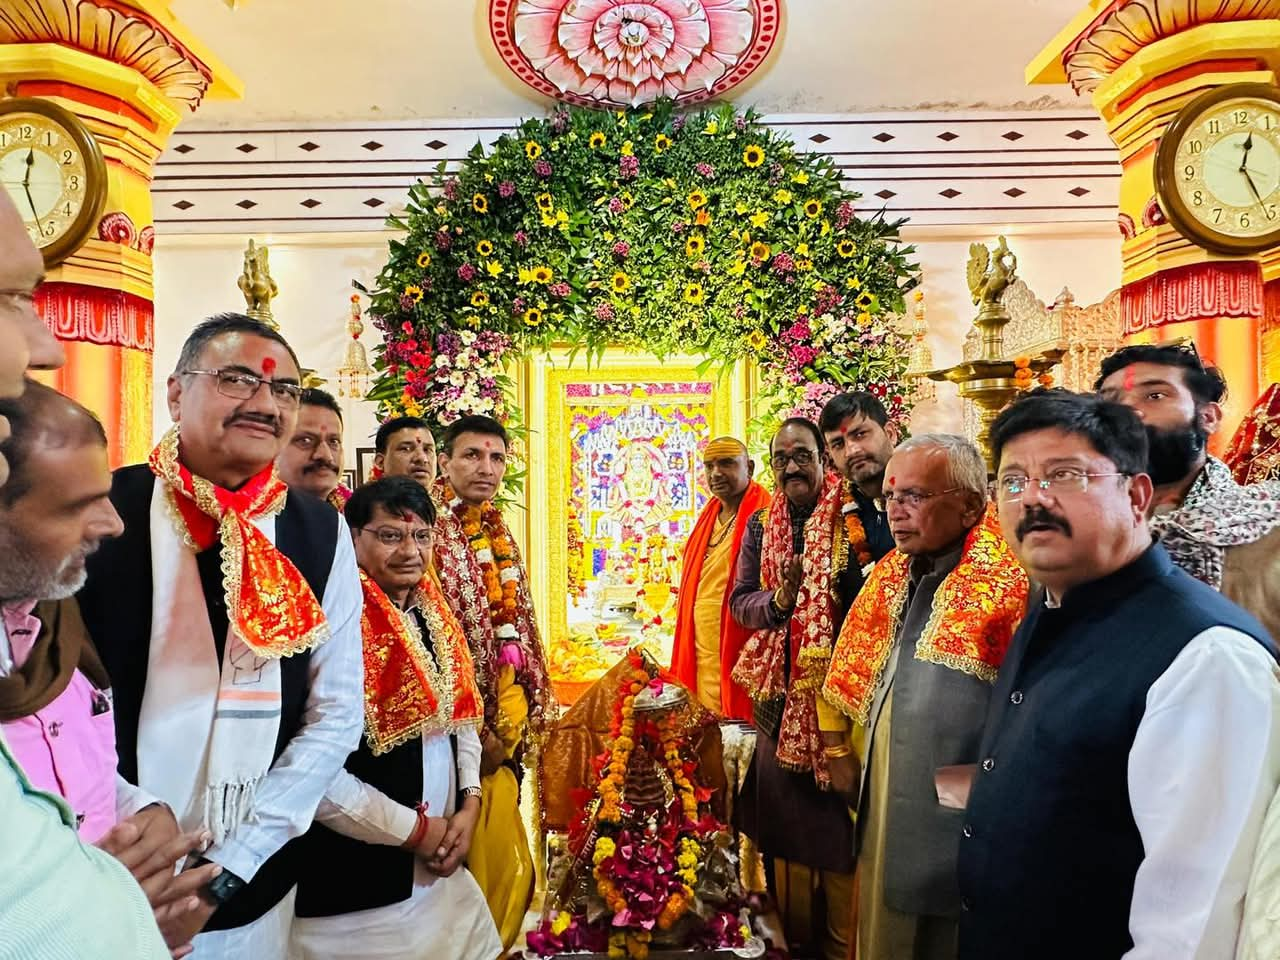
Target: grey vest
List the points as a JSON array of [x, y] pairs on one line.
[[938, 716]]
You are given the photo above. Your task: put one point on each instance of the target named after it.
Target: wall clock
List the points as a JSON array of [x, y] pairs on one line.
[[1218, 169], [52, 167]]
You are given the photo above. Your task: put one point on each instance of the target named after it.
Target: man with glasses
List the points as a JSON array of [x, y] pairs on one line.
[[913, 668], [312, 459], [227, 616], [1218, 531], [792, 592], [382, 872], [1132, 744]]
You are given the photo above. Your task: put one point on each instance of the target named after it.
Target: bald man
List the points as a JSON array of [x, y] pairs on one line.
[[708, 639]]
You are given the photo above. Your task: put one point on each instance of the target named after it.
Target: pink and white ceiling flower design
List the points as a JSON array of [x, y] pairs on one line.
[[617, 53]]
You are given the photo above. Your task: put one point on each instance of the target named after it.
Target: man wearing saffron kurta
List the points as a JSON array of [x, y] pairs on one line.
[[797, 574], [913, 667], [484, 582], [399, 818], [708, 639]]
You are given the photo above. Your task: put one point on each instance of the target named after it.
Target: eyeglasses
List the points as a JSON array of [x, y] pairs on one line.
[[910, 499], [801, 458], [391, 537], [242, 386], [1060, 482]]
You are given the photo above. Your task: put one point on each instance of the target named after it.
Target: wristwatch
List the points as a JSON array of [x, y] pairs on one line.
[[222, 887], [468, 792]]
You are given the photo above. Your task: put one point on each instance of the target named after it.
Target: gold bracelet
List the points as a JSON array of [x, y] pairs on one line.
[[836, 752]]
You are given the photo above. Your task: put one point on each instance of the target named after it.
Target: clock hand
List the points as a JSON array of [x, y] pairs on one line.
[[1248, 145], [31, 158], [1252, 186]]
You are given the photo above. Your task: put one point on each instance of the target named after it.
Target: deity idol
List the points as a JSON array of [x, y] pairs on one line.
[[639, 499]]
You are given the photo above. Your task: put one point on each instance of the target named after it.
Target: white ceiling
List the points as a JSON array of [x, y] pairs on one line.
[[323, 60]]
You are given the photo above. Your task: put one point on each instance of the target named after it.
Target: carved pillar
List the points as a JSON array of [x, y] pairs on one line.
[[127, 69], [1143, 60]]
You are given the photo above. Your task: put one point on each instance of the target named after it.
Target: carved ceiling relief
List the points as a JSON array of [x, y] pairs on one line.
[[1086, 334]]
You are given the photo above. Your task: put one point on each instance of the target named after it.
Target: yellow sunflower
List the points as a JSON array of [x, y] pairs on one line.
[[620, 282], [532, 317], [533, 150], [760, 251], [479, 299], [694, 246], [413, 292], [661, 142], [693, 293], [627, 200], [596, 140], [864, 318], [863, 301], [757, 340], [424, 259], [846, 248], [544, 201], [484, 248], [697, 199], [813, 209], [753, 156], [480, 203], [542, 274]]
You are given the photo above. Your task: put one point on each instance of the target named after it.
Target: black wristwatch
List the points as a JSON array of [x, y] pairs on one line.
[[222, 887]]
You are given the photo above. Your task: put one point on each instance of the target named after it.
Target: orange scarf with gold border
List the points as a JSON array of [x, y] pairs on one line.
[[407, 691], [976, 610], [270, 605]]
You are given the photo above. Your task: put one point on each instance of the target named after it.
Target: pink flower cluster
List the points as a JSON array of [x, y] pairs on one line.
[[844, 214], [616, 205], [506, 189], [705, 170], [466, 273], [628, 167], [621, 249], [542, 168]]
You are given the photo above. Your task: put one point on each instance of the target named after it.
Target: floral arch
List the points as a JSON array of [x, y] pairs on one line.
[[706, 234]]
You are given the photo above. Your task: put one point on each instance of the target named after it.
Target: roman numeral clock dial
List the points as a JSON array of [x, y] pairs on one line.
[[53, 170], [1218, 169]]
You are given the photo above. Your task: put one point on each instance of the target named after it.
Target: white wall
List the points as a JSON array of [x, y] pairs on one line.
[[195, 276]]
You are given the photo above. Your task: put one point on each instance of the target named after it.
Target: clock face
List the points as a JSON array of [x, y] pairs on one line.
[[1226, 171], [45, 171]]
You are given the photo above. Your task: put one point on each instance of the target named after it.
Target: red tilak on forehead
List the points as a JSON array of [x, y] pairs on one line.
[[268, 365], [893, 481], [1128, 379]]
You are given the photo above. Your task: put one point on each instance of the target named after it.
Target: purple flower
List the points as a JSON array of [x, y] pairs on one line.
[[559, 289], [678, 123], [629, 167], [506, 188], [775, 174], [517, 305], [466, 273], [521, 238], [782, 263], [542, 168], [443, 240], [705, 170], [678, 226], [406, 303], [621, 249], [450, 189], [559, 121], [616, 205], [604, 310]]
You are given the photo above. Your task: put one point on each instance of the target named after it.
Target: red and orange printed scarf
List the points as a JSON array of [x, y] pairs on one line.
[[761, 667], [975, 612], [271, 606], [406, 690]]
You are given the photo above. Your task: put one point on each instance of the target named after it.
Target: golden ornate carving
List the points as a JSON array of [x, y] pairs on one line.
[[121, 36], [1130, 25], [257, 286], [353, 375], [920, 358]]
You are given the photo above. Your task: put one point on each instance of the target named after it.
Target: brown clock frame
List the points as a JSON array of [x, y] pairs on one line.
[[1175, 209], [95, 168]]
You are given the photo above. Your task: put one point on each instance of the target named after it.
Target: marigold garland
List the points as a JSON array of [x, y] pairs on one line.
[[487, 536], [855, 532]]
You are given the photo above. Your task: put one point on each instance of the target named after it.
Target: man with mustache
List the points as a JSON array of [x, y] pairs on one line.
[[860, 440], [1218, 531], [792, 590], [312, 459], [1133, 739], [228, 617], [707, 639], [405, 448], [484, 581], [914, 668]]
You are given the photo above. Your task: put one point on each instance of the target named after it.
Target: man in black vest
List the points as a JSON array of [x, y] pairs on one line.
[[1132, 744], [228, 617], [399, 818]]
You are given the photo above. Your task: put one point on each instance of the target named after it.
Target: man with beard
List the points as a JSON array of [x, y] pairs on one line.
[[707, 639], [312, 459], [792, 592], [1133, 739], [1218, 531], [860, 440], [404, 447], [228, 617]]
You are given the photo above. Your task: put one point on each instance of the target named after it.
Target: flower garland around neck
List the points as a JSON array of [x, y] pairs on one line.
[[855, 531], [620, 875], [490, 541]]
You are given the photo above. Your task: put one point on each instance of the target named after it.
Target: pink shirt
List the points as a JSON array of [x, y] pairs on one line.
[[69, 747]]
